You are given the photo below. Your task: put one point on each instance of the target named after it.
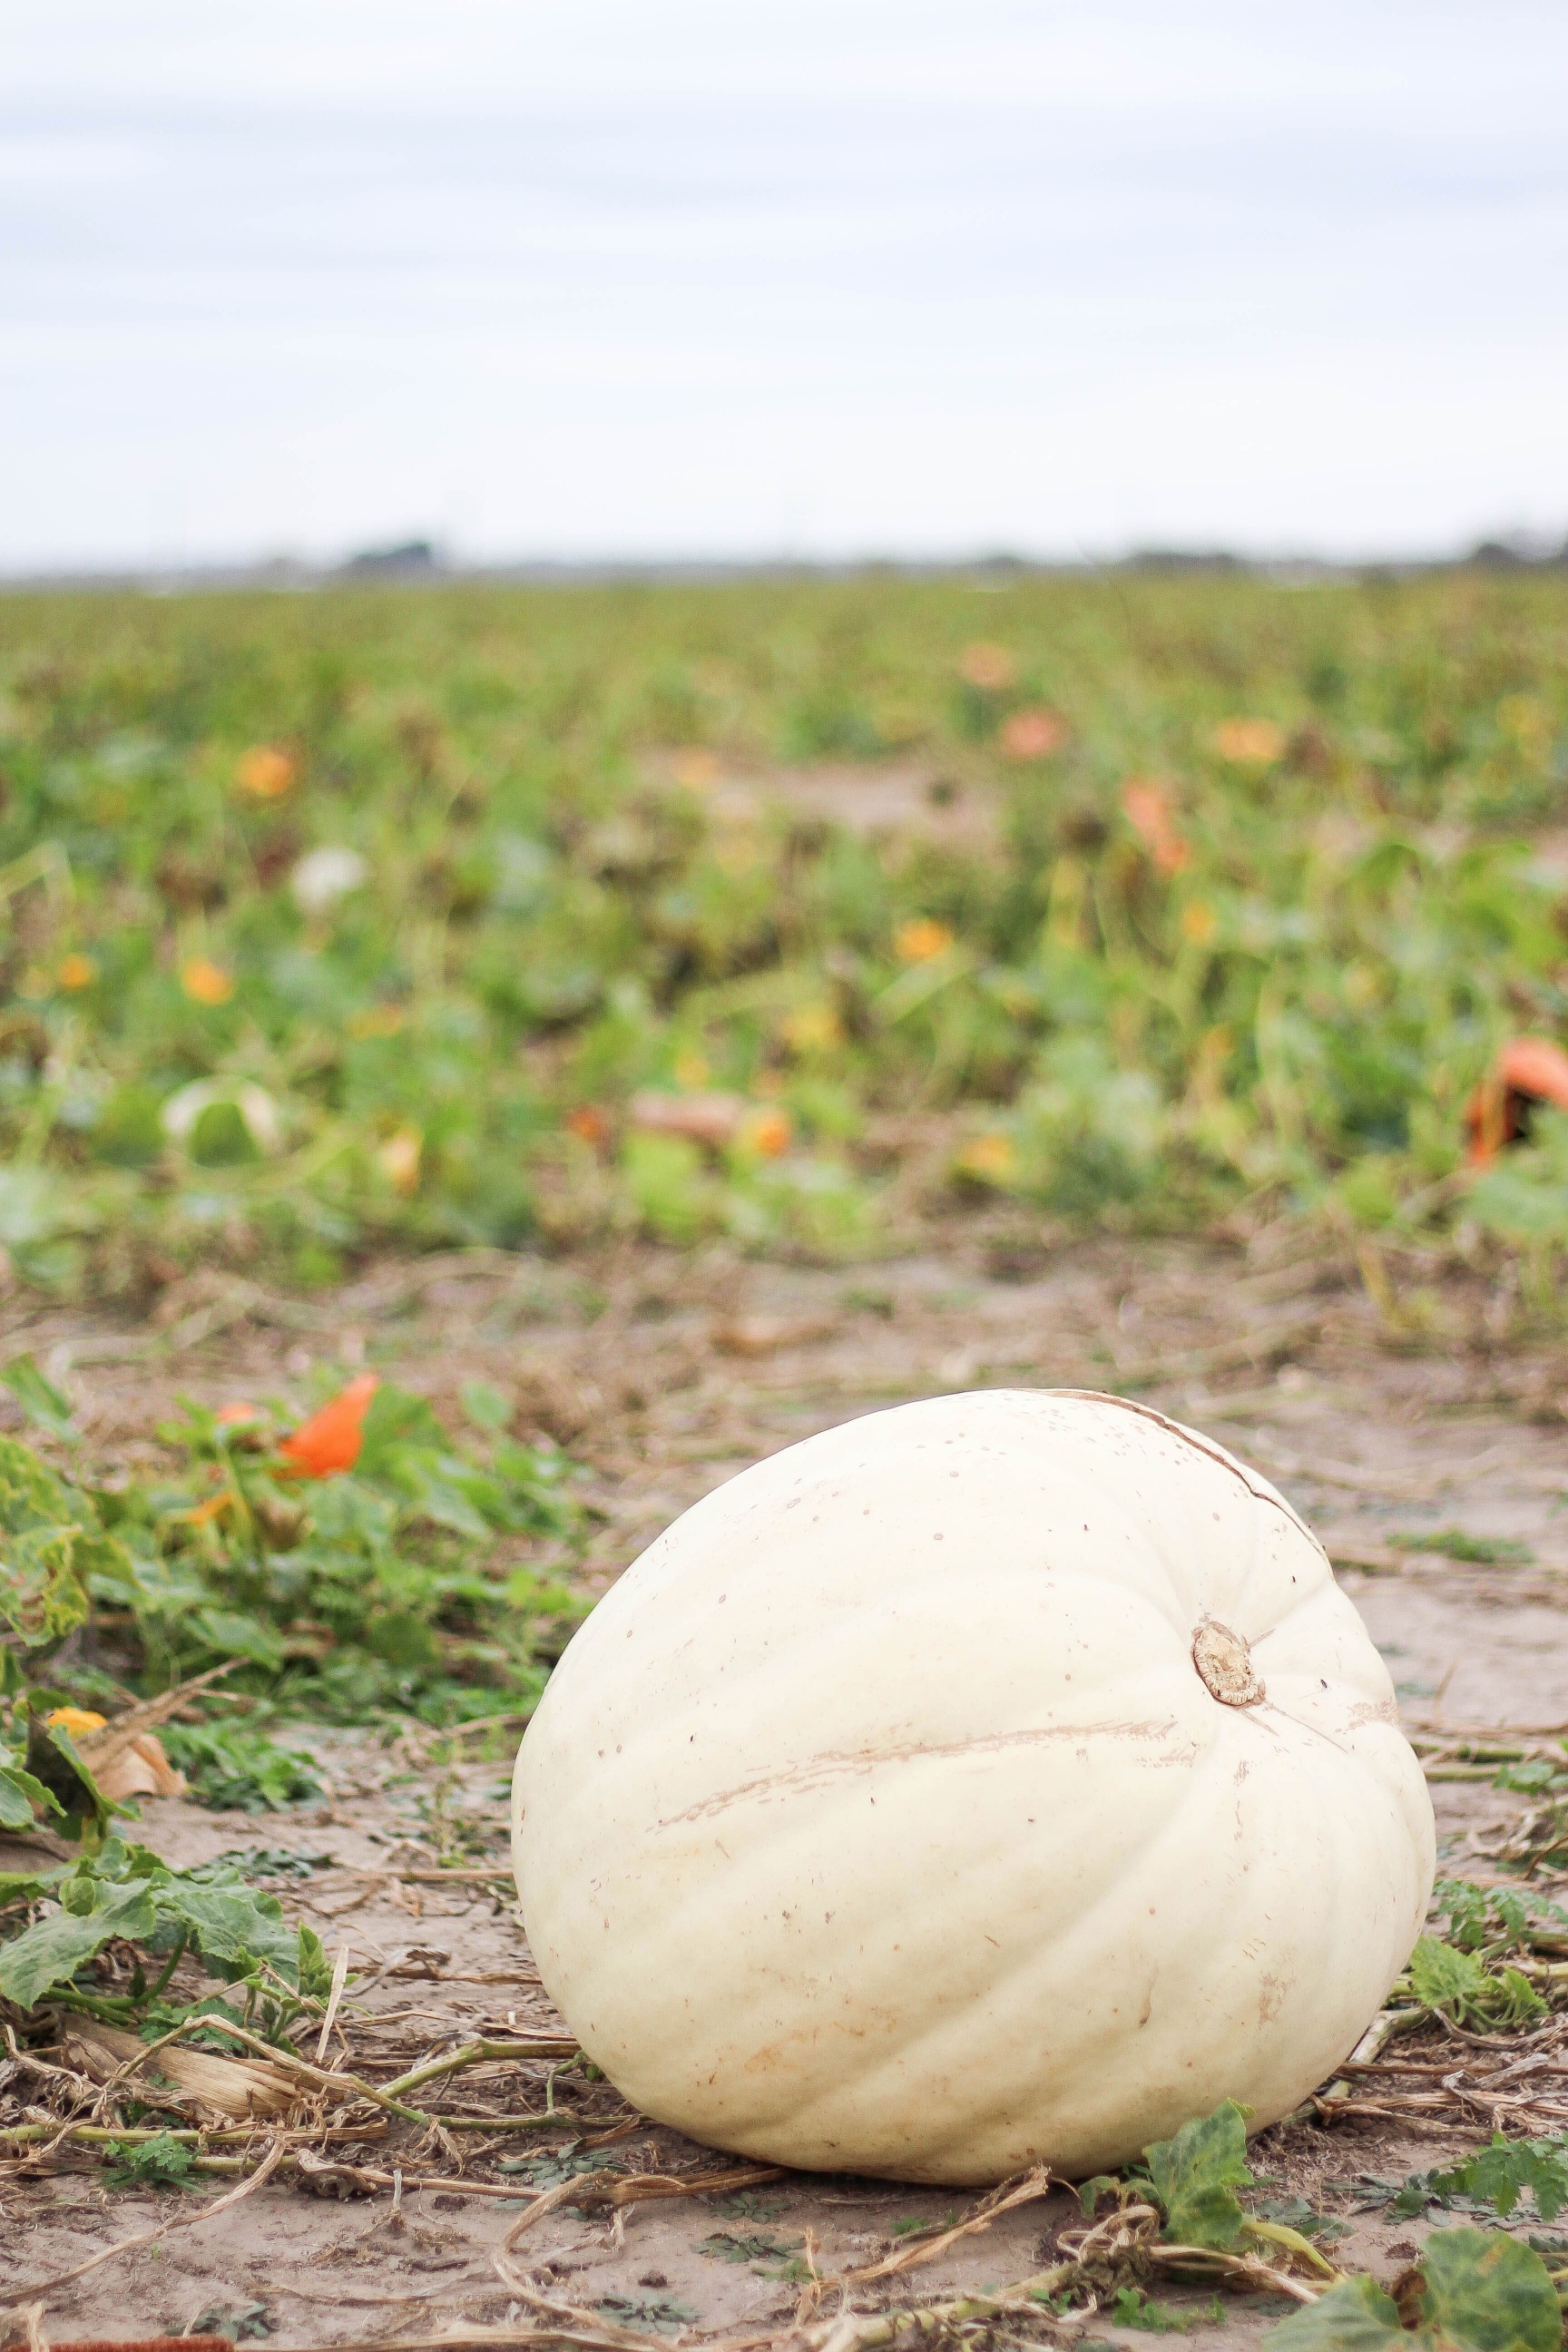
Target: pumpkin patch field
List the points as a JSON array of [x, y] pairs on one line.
[[786, 911], [485, 1066]]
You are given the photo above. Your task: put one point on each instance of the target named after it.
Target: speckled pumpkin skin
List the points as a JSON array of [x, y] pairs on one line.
[[882, 1818]]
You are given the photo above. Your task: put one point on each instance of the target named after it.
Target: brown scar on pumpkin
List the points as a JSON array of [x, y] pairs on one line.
[[821, 1771], [1199, 1445]]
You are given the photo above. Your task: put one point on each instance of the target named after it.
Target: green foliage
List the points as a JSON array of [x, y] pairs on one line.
[[1505, 2170], [1453, 1543], [51, 1543], [662, 2311], [497, 868], [752, 2246], [1499, 1917], [1473, 2291], [125, 1894], [72, 1799], [549, 2171], [160, 2162], [396, 1585], [1196, 2177], [1133, 2309], [747, 2205], [1460, 1985], [1294, 2213], [39, 1399], [1524, 1198], [242, 2323], [24, 1799], [1486, 2292], [1356, 2316], [273, 1862], [375, 1589], [51, 1951], [232, 1767]]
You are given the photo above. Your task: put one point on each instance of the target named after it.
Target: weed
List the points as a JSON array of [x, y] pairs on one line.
[[664, 2311], [1134, 2309], [755, 2246], [1453, 1543], [160, 2162]]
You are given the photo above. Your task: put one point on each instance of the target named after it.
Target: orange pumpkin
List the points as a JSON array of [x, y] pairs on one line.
[[330, 1439]]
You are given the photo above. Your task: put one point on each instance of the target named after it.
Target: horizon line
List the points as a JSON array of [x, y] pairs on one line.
[[423, 562]]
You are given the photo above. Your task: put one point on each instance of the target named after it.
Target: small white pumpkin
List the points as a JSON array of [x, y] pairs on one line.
[[998, 1781]]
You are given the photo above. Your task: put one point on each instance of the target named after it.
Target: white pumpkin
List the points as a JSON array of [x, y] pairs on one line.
[[998, 1781]]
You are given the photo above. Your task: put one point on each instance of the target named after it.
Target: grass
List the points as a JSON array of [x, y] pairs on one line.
[[1481, 1551], [364, 918]]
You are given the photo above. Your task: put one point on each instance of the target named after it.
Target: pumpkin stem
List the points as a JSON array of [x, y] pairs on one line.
[[1225, 1663]]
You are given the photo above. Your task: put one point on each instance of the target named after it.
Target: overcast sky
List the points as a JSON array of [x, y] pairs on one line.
[[759, 277]]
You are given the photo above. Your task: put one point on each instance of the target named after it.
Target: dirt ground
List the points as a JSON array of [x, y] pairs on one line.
[[1391, 1401]]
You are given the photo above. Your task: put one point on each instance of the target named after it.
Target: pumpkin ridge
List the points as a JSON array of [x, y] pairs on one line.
[[967, 2125], [1138, 1864], [1223, 1747], [1134, 1860]]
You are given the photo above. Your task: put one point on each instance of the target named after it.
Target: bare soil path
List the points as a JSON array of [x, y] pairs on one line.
[[1393, 1407]]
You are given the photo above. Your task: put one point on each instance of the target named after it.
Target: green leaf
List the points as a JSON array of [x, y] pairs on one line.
[[1196, 2177], [28, 1885], [50, 1542], [1134, 2309], [22, 1798], [312, 1970], [446, 1499], [753, 2246], [50, 1951], [1441, 1977], [15, 1803], [39, 1399], [1295, 2214], [53, 1760], [1354, 2316], [1475, 1913], [232, 1926], [485, 1406], [1486, 2292], [1516, 2002], [1444, 1978], [396, 1418], [235, 1765], [160, 2162], [237, 1635], [119, 1860], [1498, 2175], [1280, 2233], [1529, 1778], [1479, 2291]]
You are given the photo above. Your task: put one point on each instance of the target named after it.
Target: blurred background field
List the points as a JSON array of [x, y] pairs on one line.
[[796, 909]]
